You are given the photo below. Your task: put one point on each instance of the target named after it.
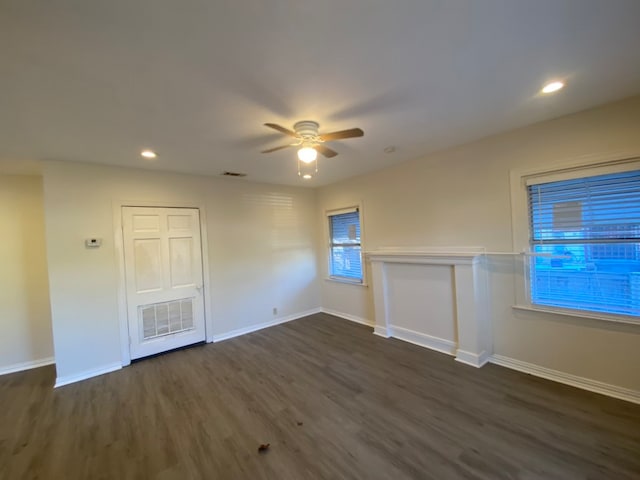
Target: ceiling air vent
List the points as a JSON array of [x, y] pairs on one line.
[[233, 174]]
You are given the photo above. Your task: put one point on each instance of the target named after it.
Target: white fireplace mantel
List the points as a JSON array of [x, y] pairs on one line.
[[471, 337]]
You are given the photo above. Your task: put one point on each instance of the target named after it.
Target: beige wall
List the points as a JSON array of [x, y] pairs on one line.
[[461, 197], [263, 241], [25, 319], [261, 253]]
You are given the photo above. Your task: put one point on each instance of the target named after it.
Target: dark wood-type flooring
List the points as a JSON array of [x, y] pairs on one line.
[[332, 400]]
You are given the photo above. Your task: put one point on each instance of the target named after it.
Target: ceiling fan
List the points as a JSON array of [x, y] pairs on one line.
[[311, 142]]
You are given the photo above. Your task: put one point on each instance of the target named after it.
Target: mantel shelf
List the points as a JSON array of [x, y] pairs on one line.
[[424, 257]]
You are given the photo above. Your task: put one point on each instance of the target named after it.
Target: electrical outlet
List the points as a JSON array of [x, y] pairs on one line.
[[275, 310]]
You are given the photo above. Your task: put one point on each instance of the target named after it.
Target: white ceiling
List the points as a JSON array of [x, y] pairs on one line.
[[97, 81]]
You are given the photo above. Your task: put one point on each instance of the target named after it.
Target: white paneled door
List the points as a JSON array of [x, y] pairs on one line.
[[163, 267]]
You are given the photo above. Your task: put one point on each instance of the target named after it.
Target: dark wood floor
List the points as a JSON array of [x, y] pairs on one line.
[[333, 400]]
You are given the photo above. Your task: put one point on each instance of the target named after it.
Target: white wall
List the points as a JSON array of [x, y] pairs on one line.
[[25, 319], [261, 245], [461, 197]]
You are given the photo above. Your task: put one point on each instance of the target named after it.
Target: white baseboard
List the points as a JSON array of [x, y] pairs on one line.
[[61, 381], [19, 367], [422, 339], [417, 338], [474, 359], [348, 316], [568, 379], [381, 331], [259, 326]]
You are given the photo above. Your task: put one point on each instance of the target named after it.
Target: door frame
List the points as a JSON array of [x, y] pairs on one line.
[[123, 320]]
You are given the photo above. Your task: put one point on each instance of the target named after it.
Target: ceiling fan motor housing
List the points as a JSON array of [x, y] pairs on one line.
[[307, 129]]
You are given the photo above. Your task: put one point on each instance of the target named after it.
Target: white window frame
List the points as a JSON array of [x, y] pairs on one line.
[[327, 222], [586, 166]]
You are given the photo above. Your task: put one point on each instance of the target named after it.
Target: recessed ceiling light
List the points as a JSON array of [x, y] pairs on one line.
[[148, 154], [552, 87], [306, 177]]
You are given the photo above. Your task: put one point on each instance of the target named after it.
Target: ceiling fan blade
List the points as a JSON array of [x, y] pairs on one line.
[[275, 149], [286, 131], [351, 133], [326, 151]]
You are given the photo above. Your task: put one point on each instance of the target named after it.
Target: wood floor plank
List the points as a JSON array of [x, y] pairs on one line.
[[333, 401]]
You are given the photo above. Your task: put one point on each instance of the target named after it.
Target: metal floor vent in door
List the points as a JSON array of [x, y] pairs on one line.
[[166, 318]]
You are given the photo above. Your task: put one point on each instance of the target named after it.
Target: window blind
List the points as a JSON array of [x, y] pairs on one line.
[[589, 229], [346, 258]]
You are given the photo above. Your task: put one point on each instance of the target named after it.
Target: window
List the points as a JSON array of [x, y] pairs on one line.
[[345, 256], [585, 240]]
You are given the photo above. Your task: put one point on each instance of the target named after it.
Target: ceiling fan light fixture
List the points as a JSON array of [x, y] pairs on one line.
[[307, 170], [309, 143], [307, 154]]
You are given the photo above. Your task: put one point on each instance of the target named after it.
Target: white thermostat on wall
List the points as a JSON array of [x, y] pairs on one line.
[[93, 242]]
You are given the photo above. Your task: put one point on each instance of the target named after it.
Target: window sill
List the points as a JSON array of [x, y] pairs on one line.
[[345, 281], [579, 314]]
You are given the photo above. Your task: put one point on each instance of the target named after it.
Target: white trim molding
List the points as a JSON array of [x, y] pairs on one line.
[[471, 320], [345, 282], [381, 331], [561, 169], [259, 326], [354, 207], [61, 381], [474, 359], [348, 316], [19, 367], [455, 256], [77, 377], [123, 320], [423, 340], [567, 312], [583, 383]]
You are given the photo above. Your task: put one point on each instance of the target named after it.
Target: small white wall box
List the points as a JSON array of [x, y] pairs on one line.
[[93, 242]]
